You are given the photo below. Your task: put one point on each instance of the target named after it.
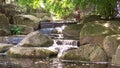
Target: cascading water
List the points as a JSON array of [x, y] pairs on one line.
[[63, 45], [60, 44]]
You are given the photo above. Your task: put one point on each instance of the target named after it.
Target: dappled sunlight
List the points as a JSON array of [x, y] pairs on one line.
[[106, 24], [118, 38], [118, 27], [105, 32]]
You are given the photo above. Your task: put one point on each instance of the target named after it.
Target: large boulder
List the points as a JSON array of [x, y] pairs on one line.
[[110, 44], [31, 52], [4, 25], [72, 31], [4, 47], [36, 39], [98, 30], [89, 52], [28, 20], [116, 57], [95, 32]]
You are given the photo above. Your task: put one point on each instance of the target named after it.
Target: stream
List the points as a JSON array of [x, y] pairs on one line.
[[62, 45]]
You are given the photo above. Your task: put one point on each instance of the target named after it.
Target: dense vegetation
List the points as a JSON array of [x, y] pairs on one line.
[[105, 8]]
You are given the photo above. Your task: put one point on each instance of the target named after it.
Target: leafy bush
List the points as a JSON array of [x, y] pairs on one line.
[[15, 29]]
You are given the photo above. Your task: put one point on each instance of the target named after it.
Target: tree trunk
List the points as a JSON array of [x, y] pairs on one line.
[[77, 13]]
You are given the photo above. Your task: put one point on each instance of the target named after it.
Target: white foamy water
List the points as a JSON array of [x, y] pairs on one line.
[[63, 46]]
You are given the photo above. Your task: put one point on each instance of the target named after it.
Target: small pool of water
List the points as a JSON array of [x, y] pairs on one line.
[[6, 62]]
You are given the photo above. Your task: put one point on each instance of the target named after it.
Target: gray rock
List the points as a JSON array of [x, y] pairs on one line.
[[89, 52], [116, 57], [90, 18], [110, 44], [36, 39], [72, 31], [4, 47], [4, 25], [95, 32], [28, 20], [31, 52]]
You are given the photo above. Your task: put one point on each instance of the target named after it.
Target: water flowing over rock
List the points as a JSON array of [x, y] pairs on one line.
[[4, 25], [31, 52], [89, 52], [36, 39], [63, 46], [110, 44], [27, 20]]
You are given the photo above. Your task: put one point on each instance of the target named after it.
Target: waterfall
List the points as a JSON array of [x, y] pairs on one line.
[[64, 45], [60, 44]]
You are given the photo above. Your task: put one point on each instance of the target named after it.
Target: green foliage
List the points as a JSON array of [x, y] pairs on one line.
[[59, 7], [29, 3], [105, 8], [62, 7], [16, 30]]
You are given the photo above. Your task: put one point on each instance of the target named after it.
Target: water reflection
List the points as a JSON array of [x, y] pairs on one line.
[[46, 63]]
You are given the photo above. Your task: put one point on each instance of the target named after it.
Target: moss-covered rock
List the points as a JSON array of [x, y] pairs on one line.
[[96, 31], [90, 52], [110, 44], [72, 31], [36, 39], [27, 20], [90, 18], [31, 52], [4, 25], [98, 55], [116, 57]]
